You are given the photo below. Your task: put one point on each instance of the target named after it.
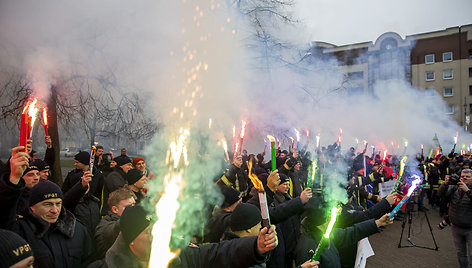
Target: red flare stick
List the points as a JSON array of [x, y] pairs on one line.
[[45, 121]]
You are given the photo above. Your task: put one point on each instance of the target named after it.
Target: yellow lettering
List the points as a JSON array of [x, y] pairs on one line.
[[21, 250], [53, 195]]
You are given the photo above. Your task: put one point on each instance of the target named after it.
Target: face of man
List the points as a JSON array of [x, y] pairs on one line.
[[375, 168], [282, 155], [466, 178], [123, 151], [141, 245], [126, 167], [141, 182], [112, 163], [118, 209], [31, 178], [283, 188], [43, 174], [80, 166], [297, 166], [141, 165], [25, 263], [99, 151], [48, 209]]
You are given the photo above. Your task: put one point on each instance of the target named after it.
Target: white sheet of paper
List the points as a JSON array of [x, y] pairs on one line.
[[364, 251], [385, 188]]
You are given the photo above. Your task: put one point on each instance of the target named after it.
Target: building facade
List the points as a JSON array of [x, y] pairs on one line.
[[438, 61]]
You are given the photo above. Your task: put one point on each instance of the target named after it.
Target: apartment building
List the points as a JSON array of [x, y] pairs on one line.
[[438, 61]]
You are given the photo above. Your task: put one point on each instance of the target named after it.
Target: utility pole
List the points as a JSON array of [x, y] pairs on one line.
[[466, 120]]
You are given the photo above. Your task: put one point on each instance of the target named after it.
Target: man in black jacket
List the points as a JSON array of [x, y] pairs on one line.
[[460, 214], [116, 179], [131, 248], [57, 239]]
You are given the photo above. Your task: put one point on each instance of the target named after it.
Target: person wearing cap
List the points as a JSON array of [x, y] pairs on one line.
[[56, 237], [15, 251], [245, 221], [109, 226], [220, 217], [31, 176], [132, 247], [43, 169], [91, 190], [139, 163], [136, 181], [289, 226], [378, 176], [81, 163], [116, 179]]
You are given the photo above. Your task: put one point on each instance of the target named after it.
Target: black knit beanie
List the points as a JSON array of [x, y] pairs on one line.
[[132, 222], [13, 248], [244, 217], [43, 190], [31, 167], [230, 194], [40, 164], [83, 157], [283, 178], [122, 160], [133, 176]]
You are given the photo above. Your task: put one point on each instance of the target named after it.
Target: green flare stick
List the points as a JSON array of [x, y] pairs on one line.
[[272, 152], [311, 180], [325, 237]]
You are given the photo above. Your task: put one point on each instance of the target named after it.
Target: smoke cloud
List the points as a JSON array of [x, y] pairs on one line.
[[192, 61]]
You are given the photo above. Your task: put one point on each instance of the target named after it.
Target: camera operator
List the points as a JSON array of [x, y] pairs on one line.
[[459, 196]]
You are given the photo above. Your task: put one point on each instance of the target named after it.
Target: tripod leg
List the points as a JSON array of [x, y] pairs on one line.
[[401, 234], [431, 230]]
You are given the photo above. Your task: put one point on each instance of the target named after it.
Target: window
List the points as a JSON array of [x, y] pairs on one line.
[[355, 75], [470, 72], [447, 56], [447, 74], [430, 91], [449, 109], [470, 53], [470, 108], [429, 76], [470, 90], [448, 92], [428, 59]]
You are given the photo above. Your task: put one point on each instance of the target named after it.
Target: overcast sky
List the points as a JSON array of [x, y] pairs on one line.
[[352, 21]]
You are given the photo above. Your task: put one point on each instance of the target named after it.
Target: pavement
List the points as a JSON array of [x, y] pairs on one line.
[[389, 255]]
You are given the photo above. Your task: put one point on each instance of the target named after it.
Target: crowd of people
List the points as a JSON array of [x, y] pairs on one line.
[[96, 218]]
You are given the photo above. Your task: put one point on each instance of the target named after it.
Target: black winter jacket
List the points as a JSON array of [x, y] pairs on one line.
[[65, 243]]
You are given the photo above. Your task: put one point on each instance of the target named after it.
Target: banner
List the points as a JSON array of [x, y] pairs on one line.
[[385, 188]]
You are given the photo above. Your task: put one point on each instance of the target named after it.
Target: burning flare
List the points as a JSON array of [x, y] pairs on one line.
[[168, 205], [243, 129]]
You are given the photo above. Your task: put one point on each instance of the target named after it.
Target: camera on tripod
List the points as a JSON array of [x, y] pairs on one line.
[[454, 179]]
